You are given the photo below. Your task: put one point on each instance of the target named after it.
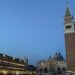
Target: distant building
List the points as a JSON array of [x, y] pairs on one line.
[[69, 30], [11, 66], [55, 64], [25, 60]]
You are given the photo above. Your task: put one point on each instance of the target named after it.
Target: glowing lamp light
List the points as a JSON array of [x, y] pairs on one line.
[[4, 72]]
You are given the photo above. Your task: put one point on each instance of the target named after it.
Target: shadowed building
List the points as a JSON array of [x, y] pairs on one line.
[[69, 30]]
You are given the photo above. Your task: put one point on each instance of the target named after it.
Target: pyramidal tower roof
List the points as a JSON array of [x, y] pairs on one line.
[[67, 10]]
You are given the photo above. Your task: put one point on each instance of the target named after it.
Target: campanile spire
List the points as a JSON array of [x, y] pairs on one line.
[[67, 9]]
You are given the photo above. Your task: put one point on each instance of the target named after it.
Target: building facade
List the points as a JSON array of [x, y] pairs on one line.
[[11, 66], [69, 30], [55, 64]]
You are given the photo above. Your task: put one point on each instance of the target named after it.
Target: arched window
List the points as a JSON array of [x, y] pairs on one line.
[[59, 70], [46, 70], [63, 69], [41, 70]]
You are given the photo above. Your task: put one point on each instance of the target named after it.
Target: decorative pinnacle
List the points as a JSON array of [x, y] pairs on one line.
[[67, 3], [67, 9]]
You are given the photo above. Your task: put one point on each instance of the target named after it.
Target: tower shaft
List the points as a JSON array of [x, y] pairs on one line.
[[69, 30]]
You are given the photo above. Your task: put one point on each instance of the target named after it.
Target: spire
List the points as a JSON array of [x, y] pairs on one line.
[[67, 10]]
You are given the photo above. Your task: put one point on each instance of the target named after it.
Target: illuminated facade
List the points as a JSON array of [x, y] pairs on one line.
[[12, 66]]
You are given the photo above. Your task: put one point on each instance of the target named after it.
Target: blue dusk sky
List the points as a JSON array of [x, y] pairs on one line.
[[33, 28]]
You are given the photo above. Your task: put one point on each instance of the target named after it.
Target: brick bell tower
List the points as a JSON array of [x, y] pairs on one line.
[[69, 31]]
